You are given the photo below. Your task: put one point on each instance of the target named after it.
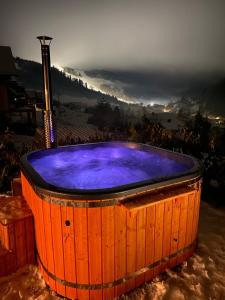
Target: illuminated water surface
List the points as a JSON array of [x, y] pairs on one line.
[[101, 166]]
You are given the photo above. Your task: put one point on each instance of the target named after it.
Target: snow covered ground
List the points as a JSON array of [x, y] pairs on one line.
[[202, 277]]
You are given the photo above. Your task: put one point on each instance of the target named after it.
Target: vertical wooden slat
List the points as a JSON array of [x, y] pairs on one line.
[[32, 202], [10, 262], [49, 249], [196, 215], [29, 225], [141, 234], [69, 249], [150, 240], [6, 232], [7, 236], [167, 226], [108, 272], [1, 235], [4, 236], [58, 246], [159, 215], [27, 190], [190, 215], [81, 248], [120, 247], [11, 233], [95, 250], [21, 254], [2, 264], [38, 237], [175, 229], [198, 210], [182, 227], [131, 247], [29, 196], [41, 229]]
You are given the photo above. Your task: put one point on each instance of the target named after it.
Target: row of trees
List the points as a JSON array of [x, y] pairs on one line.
[[106, 117], [196, 137]]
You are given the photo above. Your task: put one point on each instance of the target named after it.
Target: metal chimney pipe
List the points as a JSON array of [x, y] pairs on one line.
[[49, 122]]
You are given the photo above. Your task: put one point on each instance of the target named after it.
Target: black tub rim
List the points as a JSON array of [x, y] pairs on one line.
[[115, 194]]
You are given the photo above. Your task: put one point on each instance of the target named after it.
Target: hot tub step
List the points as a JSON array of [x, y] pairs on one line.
[[7, 261], [16, 234]]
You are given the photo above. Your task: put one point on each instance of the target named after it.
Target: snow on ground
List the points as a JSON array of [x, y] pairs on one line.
[[25, 284], [202, 277]]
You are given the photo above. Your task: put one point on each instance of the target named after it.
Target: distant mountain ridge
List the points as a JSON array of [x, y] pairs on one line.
[[30, 75], [207, 89]]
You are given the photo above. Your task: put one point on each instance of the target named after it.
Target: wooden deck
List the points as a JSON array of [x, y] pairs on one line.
[[16, 234]]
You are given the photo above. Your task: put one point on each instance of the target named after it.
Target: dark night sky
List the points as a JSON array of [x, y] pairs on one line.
[[119, 34], [134, 36]]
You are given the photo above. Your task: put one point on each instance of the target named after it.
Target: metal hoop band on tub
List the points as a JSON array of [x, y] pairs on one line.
[[120, 280]]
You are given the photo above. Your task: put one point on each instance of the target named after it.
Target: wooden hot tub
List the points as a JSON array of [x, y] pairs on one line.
[[100, 243]]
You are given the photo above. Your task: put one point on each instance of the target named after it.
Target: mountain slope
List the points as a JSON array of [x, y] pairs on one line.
[[30, 75]]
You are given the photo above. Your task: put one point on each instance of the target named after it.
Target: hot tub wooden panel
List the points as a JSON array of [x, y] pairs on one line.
[[159, 213], [167, 226], [175, 229], [140, 246], [120, 247], [69, 251], [95, 250], [131, 248], [49, 249], [150, 240], [81, 246], [102, 252], [182, 226], [57, 240], [108, 250]]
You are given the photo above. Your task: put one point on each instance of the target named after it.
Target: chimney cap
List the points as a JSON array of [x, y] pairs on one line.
[[43, 39]]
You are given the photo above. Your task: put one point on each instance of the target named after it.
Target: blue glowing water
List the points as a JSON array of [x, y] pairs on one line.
[[102, 166]]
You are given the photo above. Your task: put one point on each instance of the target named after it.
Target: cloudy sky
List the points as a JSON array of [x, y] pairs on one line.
[[136, 37]]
